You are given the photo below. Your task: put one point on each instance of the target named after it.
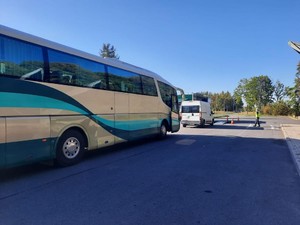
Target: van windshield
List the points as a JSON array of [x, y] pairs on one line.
[[190, 109]]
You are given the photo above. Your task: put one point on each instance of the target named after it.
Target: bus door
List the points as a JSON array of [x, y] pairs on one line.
[[2, 142], [175, 120]]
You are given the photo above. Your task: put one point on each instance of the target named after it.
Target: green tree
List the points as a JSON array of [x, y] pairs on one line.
[[239, 94], [294, 94], [238, 103], [228, 101], [257, 91], [279, 91], [240, 90], [298, 70], [108, 51], [217, 102], [293, 102]]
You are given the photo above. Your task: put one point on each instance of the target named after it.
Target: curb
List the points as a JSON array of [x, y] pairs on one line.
[[293, 145], [293, 118]]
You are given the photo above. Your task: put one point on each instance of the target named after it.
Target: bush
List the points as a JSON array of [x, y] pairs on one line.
[[280, 109], [267, 110]]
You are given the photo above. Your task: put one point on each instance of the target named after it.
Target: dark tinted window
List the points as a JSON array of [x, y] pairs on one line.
[[73, 70], [123, 80], [21, 59], [149, 87], [168, 95], [190, 109]]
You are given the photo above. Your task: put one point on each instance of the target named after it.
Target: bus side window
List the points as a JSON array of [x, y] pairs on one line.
[[124, 81], [167, 93], [76, 71], [149, 87], [21, 59]]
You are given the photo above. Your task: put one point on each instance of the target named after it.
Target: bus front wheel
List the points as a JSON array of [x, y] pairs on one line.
[[163, 130], [70, 148]]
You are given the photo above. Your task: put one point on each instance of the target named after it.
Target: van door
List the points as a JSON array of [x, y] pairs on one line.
[[206, 113], [191, 113], [195, 113]]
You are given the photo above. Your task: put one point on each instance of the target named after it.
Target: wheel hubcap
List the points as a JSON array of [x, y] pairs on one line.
[[163, 130], [71, 147]]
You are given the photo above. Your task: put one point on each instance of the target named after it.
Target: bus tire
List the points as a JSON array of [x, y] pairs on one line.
[[163, 130], [70, 148]]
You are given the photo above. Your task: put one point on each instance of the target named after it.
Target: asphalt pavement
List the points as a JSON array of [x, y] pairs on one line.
[[292, 136], [291, 133], [229, 173]]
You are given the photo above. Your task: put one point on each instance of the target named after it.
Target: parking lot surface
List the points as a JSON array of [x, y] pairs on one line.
[[221, 174]]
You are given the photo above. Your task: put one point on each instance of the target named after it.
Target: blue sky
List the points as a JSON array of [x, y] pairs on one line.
[[198, 45]]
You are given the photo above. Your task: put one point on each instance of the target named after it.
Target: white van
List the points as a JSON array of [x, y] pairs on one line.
[[196, 113]]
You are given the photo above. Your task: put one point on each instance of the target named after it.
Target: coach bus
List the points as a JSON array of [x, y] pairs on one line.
[[56, 102]]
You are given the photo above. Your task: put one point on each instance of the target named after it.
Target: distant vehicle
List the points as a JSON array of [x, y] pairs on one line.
[[57, 102], [196, 113]]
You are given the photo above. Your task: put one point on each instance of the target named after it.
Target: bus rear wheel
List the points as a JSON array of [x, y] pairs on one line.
[[70, 148]]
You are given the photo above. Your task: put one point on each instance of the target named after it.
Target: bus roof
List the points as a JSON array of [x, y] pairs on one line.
[[56, 46]]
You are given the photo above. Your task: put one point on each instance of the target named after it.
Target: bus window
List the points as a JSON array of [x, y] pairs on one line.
[[21, 60], [149, 87], [73, 70], [166, 92], [123, 80]]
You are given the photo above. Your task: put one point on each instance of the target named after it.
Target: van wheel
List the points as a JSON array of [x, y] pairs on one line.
[[162, 130], [184, 125], [202, 123], [70, 148], [212, 122]]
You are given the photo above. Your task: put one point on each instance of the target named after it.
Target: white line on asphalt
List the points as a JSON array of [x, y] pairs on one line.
[[219, 123]]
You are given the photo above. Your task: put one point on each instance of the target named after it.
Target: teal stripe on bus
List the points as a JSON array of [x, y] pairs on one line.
[[10, 85], [17, 100], [130, 125]]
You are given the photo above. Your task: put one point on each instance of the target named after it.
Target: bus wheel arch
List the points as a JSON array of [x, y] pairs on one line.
[[71, 146]]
